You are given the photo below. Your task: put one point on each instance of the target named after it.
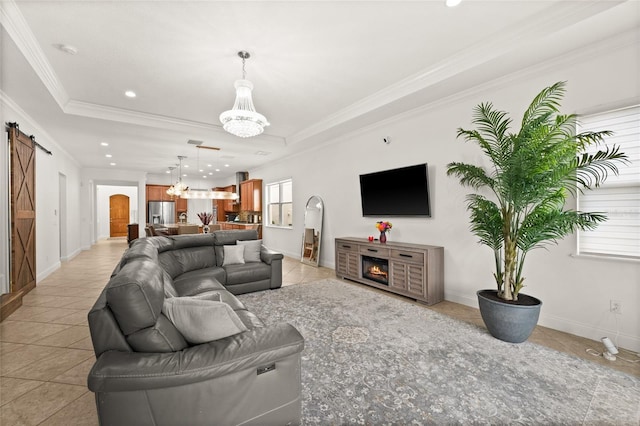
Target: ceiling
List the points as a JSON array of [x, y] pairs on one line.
[[320, 69]]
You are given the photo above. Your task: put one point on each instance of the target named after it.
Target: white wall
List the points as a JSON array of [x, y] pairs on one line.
[[91, 209], [575, 291], [48, 169], [103, 192]]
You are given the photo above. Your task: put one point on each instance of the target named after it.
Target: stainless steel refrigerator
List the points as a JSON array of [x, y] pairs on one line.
[[162, 212]]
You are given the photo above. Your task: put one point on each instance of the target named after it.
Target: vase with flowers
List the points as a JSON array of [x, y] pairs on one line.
[[383, 227], [205, 218]]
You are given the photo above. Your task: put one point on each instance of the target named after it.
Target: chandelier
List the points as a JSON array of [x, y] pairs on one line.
[[243, 120], [178, 188]]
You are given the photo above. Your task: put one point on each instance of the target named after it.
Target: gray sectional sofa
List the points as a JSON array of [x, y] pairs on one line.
[[154, 364]]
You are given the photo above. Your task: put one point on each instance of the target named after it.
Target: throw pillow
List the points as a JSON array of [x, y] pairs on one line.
[[207, 295], [202, 321], [233, 255], [251, 250]]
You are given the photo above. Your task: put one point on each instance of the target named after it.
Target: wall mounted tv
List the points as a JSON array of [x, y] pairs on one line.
[[396, 192]]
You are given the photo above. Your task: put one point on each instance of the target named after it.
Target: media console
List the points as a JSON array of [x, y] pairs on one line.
[[412, 270]]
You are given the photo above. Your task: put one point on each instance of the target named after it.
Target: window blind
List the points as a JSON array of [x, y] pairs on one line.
[[619, 196]]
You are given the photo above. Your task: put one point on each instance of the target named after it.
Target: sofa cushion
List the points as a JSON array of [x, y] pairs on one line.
[[192, 258], [247, 272], [169, 288], [192, 240], [202, 321], [249, 319], [251, 250], [135, 295], [141, 248], [170, 264], [199, 281], [163, 336], [233, 255]]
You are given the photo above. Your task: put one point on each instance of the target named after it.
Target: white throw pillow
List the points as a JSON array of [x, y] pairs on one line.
[[233, 255], [202, 321], [251, 250]]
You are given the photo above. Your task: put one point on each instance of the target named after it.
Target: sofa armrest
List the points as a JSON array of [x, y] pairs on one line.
[[268, 255], [116, 371]]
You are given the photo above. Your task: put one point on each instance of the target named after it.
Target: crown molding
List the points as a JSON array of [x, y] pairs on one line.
[[16, 26], [91, 110], [552, 19], [36, 129]]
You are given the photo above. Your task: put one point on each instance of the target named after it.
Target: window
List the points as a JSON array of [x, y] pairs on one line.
[[280, 203], [619, 196]]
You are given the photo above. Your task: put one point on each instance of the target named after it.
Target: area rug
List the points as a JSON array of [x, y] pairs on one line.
[[371, 358]]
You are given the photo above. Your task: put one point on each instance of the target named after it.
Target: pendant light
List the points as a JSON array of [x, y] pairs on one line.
[[179, 188], [243, 120]]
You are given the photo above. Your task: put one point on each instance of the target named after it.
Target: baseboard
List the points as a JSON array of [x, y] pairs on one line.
[[554, 322], [622, 340], [44, 274], [71, 256]]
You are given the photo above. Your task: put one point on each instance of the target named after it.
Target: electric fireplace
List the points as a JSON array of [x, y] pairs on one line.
[[375, 269]]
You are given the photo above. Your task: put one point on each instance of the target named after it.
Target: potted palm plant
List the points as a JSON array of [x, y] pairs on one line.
[[519, 203]]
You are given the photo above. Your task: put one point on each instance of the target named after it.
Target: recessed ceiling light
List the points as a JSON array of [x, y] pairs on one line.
[[130, 94], [67, 48], [112, 164], [184, 175], [226, 165], [210, 173], [168, 171], [204, 176], [452, 3], [104, 144], [108, 155], [186, 166], [208, 165], [217, 170]]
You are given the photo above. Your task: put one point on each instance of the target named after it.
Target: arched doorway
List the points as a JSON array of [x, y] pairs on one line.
[[118, 215]]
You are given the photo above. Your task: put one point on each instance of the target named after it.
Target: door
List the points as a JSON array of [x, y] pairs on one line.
[[23, 212], [118, 215]]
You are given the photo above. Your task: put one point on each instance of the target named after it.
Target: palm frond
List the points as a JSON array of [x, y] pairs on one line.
[[592, 169], [486, 221], [546, 102], [470, 175]]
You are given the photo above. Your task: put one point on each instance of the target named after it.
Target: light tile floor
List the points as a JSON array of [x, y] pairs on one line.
[[46, 351]]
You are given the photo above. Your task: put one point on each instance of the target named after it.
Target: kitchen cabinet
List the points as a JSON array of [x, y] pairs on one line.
[[251, 195], [181, 205], [157, 193], [224, 206]]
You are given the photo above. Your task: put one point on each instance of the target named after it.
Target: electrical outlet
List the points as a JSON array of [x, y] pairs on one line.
[[615, 306]]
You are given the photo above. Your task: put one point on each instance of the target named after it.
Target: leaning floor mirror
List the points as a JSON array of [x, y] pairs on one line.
[[312, 231]]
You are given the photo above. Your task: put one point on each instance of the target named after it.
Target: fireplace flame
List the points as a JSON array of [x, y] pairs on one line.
[[375, 270]]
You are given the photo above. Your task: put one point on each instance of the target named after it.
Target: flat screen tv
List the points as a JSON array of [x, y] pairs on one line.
[[396, 192]]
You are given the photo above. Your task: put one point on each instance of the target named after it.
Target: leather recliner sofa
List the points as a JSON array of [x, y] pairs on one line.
[[147, 373]]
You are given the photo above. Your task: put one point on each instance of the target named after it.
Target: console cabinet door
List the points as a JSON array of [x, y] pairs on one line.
[[409, 278], [347, 264]]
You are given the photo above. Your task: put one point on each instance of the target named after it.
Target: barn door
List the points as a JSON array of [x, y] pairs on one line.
[[23, 211], [118, 215]]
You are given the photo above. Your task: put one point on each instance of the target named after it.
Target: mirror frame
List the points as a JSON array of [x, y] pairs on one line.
[[317, 238]]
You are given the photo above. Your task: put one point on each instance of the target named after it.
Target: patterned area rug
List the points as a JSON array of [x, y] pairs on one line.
[[373, 359]]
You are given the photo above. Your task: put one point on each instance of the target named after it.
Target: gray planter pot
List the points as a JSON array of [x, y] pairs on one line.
[[509, 321]]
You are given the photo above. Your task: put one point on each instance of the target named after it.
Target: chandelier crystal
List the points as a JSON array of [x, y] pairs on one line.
[[243, 120], [178, 188]]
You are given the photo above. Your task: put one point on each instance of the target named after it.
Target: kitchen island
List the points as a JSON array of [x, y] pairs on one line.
[[241, 225]]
